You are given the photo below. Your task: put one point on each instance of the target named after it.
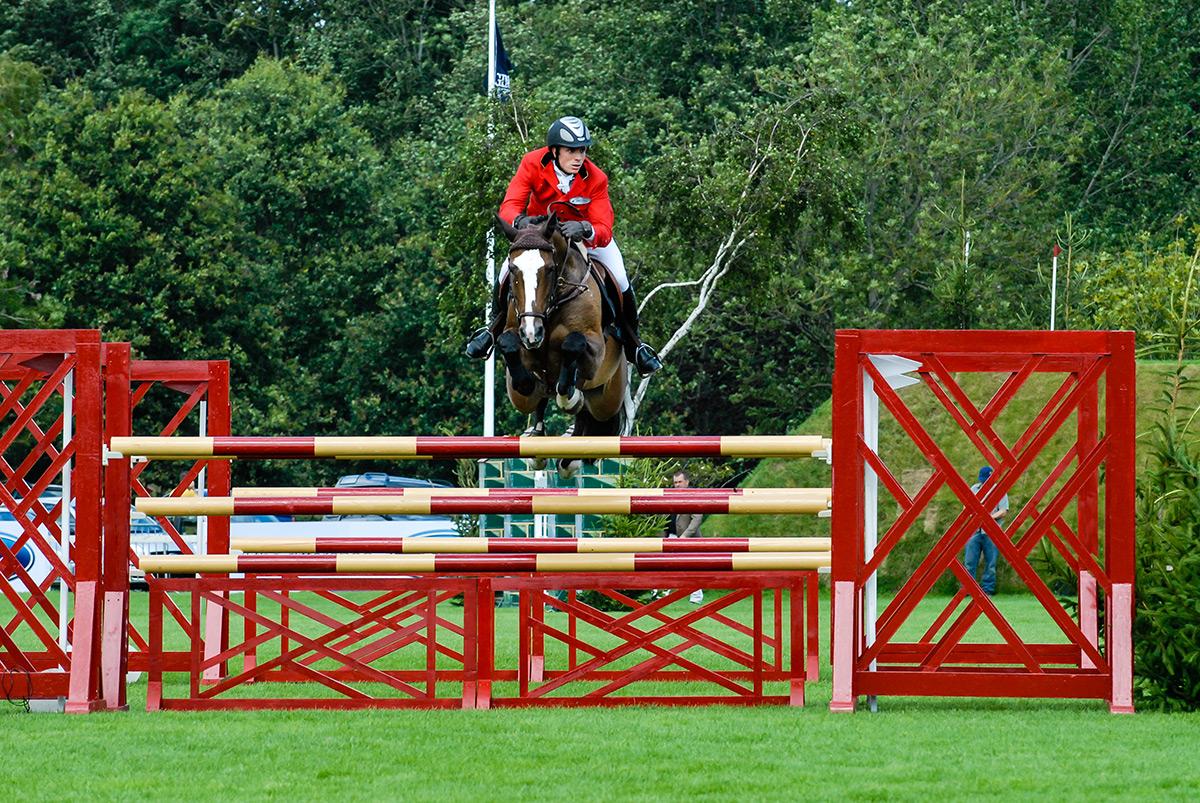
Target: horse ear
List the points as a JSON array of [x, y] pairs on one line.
[[560, 243], [550, 226], [508, 230]]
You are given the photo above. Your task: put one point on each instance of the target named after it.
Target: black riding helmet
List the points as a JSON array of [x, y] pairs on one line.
[[568, 132]]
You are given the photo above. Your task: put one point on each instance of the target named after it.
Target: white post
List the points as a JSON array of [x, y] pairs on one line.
[[202, 488], [541, 524], [489, 368], [1054, 283], [64, 521], [871, 518], [893, 369]]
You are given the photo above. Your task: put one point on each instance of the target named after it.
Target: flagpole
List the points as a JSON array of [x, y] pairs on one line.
[[489, 368]]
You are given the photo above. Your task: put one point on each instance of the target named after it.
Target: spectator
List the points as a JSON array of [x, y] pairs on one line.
[[685, 525], [980, 543]]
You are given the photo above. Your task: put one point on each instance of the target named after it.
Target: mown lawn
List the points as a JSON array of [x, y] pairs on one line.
[[911, 749]]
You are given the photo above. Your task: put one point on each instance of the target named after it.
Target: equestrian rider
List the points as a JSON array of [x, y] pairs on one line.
[[559, 178]]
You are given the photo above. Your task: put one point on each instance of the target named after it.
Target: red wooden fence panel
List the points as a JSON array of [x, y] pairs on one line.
[[1056, 464]]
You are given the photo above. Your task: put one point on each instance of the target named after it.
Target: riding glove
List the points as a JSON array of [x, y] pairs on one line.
[[521, 221], [576, 229]]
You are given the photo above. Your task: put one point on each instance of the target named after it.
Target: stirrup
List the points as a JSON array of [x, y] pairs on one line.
[[646, 360], [479, 347]]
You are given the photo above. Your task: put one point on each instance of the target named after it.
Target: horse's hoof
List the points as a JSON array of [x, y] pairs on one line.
[[570, 404], [567, 467], [538, 463]]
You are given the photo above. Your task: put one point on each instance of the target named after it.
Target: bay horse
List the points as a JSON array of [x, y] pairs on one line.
[[554, 341]]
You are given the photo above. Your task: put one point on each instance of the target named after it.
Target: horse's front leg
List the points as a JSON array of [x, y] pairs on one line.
[[509, 346], [537, 419], [568, 395]]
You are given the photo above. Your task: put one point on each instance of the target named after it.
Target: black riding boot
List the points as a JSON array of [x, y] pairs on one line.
[[644, 358], [483, 339]]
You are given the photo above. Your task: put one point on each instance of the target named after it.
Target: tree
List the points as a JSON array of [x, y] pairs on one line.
[[1151, 289], [962, 106], [117, 221], [740, 197], [1133, 73]]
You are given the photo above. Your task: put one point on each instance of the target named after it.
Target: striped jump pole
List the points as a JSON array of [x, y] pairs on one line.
[[485, 564], [496, 546], [297, 492], [615, 503], [453, 447]]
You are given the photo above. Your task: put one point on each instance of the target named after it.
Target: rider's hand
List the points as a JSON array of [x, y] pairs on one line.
[[576, 229], [521, 221]]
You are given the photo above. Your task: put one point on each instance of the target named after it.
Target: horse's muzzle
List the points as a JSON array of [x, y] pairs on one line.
[[532, 330]]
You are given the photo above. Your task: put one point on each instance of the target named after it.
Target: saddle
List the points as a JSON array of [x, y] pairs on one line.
[[610, 294]]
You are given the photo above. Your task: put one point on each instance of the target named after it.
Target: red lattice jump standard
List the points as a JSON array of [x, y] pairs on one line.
[[51, 421], [869, 656]]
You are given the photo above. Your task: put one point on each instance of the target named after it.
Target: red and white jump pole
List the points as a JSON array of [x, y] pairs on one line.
[[487, 564], [495, 546], [470, 447]]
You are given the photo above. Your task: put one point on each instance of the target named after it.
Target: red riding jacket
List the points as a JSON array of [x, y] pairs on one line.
[[535, 187]]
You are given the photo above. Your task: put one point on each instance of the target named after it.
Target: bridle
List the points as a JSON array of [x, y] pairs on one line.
[[557, 281]]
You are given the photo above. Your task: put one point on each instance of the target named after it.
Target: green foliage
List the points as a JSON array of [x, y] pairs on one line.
[[1167, 624], [115, 216], [1149, 289], [1133, 89], [21, 85], [963, 105], [63, 36]]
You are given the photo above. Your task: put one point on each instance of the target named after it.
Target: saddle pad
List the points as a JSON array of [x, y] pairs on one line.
[[610, 306]]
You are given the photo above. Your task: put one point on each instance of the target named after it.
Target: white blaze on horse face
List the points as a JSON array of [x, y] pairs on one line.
[[528, 265]]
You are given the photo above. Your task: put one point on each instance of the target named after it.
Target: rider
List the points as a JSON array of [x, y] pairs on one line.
[[561, 176]]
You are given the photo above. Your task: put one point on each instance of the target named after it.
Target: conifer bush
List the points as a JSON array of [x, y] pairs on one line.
[[1166, 627]]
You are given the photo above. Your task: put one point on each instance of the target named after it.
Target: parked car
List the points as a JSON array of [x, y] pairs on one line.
[[28, 555], [259, 518], [356, 525], [378, 479]]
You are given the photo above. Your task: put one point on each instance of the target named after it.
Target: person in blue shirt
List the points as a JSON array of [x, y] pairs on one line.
[[980, 544]]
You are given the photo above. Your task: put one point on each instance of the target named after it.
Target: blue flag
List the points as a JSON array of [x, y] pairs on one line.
[[504, 66]]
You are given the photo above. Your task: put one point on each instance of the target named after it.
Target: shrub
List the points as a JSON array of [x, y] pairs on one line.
[[1167, 621]]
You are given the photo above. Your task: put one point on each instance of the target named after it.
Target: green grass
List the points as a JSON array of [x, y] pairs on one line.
[[912, 749]]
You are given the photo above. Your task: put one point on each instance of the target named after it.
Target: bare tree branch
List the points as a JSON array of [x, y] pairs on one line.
[[727, 252]]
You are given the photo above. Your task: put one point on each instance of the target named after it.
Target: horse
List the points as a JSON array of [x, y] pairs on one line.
[[555, 341]]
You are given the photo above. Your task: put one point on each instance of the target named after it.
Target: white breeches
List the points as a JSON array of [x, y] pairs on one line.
[[610, 255]]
